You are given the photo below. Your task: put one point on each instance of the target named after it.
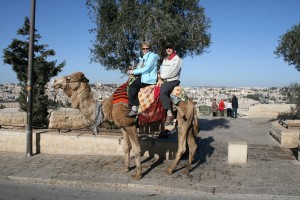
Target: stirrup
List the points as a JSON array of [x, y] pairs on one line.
[[132, 113]]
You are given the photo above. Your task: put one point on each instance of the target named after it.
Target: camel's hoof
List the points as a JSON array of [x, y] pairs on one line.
[[125, 169], [187, 173], [169, 171], [136, 176]]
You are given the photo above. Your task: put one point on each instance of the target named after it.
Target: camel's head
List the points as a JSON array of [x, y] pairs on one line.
[[72, 81]]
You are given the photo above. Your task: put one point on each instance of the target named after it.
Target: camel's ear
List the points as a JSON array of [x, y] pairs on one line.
[[84, 79]]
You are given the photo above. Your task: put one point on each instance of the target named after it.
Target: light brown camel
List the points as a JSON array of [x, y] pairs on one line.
[[77, 89]]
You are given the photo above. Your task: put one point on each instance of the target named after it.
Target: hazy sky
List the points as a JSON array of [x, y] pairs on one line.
[[245, 34]]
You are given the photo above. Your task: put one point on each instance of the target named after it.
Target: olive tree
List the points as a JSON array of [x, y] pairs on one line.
[[122, 25], [289, 47]]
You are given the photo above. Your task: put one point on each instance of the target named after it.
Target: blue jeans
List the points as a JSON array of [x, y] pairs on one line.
[[234, 112]]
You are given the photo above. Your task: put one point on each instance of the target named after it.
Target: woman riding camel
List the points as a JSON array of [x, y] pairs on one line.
[[170, 74], [145, 74]]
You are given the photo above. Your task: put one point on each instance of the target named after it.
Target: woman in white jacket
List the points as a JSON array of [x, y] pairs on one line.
[[170, 74]]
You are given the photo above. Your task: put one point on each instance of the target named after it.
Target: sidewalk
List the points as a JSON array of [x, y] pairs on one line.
[[270, 170]]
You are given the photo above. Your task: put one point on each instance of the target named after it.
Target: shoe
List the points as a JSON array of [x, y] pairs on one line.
[[169, 120], [132, 113]]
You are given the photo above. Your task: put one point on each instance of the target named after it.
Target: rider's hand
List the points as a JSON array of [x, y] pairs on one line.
[[130, 72]]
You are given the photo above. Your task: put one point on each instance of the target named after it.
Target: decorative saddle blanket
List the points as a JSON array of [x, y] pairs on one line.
[[178, 94], [120, 95], [147, 95]]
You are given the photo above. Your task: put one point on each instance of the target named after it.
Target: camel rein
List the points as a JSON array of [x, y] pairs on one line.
[[99, 116]]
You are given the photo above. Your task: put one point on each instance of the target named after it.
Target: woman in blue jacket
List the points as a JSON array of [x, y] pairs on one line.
[[145, 74]]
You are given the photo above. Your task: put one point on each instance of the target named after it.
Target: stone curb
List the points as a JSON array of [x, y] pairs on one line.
[[87, 184]]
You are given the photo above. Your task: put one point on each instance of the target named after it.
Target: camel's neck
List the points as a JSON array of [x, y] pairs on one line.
[[107, 108], [83, 99]]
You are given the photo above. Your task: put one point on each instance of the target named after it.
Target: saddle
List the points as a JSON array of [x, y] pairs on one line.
[[150, 108]]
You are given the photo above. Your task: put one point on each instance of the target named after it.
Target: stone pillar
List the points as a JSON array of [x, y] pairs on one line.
[[237, 152]]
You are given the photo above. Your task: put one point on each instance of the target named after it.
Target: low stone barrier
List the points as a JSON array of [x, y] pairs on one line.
[[13, 119], [288, 138], [268, 110], [290, 123], [50, 142], [65, 118]]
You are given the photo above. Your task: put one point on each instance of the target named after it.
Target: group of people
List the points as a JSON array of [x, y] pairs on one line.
[[231, 107], [146, 73]]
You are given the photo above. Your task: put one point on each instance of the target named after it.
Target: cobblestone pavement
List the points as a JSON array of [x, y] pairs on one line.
[[270, 170]]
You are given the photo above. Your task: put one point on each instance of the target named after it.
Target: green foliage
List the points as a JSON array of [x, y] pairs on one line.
[[289, 47], [121, 27], [16, 55], [255, 96], [292, 93]]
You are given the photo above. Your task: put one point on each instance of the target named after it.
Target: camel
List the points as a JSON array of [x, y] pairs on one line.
[[77, 89]]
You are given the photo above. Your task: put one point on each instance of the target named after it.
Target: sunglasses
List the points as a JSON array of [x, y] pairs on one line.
[[145, 48], [169, 47]]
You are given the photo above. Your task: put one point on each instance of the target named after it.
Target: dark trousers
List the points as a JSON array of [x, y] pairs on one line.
[[234, 112], [222, 113], [229, 112], [165, 91], [133, 91]]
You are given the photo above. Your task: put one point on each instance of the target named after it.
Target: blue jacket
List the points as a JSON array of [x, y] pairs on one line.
[[147, 67]]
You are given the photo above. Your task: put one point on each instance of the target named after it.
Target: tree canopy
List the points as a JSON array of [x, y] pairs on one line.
[[122, 25], [289, 46], [16, 55]]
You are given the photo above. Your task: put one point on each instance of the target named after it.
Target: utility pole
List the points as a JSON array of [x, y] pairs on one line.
[[29, 79]]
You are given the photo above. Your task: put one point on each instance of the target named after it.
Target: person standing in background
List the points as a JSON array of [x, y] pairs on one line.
[[229, 108], [235, 106], [214, 108], [222, 107]]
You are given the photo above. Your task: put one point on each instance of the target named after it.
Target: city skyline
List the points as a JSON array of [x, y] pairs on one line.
[[244, 37]]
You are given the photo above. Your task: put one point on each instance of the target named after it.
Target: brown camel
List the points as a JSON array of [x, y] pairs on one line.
[[77, 89]]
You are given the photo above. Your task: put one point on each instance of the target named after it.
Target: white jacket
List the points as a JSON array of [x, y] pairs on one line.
[[170, 69]]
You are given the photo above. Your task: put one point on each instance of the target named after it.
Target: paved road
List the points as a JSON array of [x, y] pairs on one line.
[[270, 171]]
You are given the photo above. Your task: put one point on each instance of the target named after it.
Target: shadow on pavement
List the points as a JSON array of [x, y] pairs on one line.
[[204, 147], [211, 124], [204, 150]]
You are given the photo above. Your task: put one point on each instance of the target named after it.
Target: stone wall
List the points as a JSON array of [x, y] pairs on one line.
[[65, 118], [13, 118], [268, 110], [287, 138], [50, 142]]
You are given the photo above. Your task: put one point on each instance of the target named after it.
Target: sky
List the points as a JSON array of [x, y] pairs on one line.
[[244, 34]]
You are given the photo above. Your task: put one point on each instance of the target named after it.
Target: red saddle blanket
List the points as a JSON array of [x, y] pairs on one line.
[[120, 95], [149, 113], [153, 113]]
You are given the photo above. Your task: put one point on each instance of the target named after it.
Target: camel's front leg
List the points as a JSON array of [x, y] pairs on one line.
[[131, 131], [127, 148]]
